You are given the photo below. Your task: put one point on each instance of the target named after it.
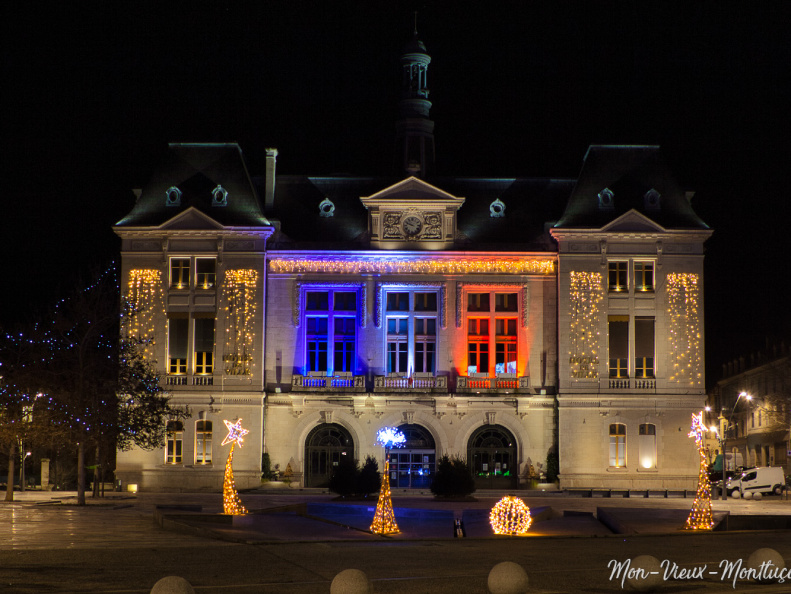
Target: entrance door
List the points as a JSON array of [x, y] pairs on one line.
[[324, 447], [491, 453], [413, 466]]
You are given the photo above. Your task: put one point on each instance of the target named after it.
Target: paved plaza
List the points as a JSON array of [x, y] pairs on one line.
[[113, 545]]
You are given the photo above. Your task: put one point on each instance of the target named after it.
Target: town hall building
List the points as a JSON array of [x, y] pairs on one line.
[[501, 320]]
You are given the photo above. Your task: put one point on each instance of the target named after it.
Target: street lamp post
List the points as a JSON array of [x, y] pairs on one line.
[[725, 440]]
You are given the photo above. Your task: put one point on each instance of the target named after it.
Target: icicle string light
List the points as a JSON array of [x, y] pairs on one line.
[[384, 518], [144, 295], [413, 266], [510, 516], [684, 330], [586, 292], [240, 290], [700, 517]]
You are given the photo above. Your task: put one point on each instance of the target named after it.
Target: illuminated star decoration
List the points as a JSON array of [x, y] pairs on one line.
[[390, 437], [235, 432], [700, 517]]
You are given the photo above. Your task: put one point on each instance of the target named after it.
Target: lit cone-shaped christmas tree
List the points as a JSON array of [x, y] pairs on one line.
[[700, 517], [231, 503], [384, 518]]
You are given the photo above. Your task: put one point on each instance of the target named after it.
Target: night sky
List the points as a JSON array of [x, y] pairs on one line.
[[92, 95]]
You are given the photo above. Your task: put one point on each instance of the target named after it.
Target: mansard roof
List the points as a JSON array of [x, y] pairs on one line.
[[529, 205], [617, 179], [199, 171]]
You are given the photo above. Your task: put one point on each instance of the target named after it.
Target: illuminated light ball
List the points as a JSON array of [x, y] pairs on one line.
[[757, 496], [774, 563], [747, 495], [510, 516], [507, 578], [351, 581], [172, 584], [645, 580]]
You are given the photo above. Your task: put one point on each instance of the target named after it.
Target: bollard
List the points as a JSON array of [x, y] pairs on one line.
[[172, 584], [772, 562], [458, 529], [649, 577], [507, 578], [351, 581]]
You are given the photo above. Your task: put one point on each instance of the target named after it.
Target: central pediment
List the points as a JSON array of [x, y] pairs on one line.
[[412, 214]]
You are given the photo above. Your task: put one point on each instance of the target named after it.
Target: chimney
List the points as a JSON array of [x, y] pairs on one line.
[[269, 187]]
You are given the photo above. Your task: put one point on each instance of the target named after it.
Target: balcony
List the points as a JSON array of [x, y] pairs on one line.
[[319, 381], [501, 383], [416, 383], [189, 380], [639, 384]]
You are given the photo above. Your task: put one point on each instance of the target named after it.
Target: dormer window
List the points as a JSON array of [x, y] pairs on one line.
[[326, 208], [173, 196], [219, 196], [652, 199], [606, 199], [497, 209]]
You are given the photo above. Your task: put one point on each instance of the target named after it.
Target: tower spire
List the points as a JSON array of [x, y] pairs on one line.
[[414, 128]]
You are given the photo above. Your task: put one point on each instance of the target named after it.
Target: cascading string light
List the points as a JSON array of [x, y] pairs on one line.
[[510, 516], [413, 266], [700, 517], [144, 295], [586, 291], [240, 309], [684, 328]]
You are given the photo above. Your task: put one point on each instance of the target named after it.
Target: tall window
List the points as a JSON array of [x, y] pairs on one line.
[[644, 347], [643, 276], [175, 437], [178, 329], [411, 318], [330, 330], [618, 331], [203, 430], [204, 346], [179, 273], [617, 277], [617, 445], [647, 443], [491, 327]]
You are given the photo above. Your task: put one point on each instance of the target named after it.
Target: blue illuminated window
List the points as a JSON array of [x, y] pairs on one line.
[[411, 331], [330, 331]]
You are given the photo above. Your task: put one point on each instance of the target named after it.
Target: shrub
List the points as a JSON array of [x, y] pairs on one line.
[[453, 478], [369, 479], [266, 467]]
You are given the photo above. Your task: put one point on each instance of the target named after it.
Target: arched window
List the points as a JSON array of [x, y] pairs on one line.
[[324, 447], [413, 466], [491, 455], [203, 431], [175, 440]]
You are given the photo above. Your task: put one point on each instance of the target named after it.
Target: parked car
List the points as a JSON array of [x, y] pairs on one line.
[[768, 479]]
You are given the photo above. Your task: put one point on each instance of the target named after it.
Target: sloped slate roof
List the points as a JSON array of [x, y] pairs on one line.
[[196, 170], [530, 204], [629, 172]]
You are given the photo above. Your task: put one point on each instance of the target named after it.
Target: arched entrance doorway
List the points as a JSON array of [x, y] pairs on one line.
[[413, 466], [324, 447], [491, 453]]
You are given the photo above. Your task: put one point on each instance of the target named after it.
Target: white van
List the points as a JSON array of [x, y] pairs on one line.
[[770, 479]]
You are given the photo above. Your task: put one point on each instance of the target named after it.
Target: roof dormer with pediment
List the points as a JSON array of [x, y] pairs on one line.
[[412, 214]]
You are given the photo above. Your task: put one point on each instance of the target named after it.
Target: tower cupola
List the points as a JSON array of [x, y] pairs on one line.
[[414, 128]]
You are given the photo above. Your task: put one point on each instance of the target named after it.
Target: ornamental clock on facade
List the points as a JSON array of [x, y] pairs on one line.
[[412, 226]]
